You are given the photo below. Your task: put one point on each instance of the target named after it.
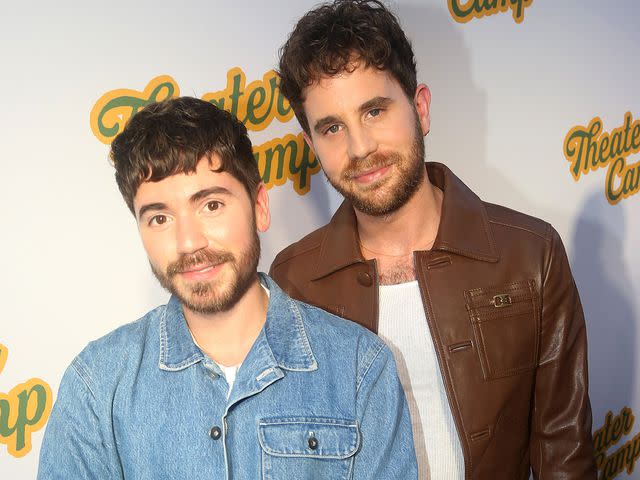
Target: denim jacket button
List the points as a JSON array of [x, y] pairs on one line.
[[215, 433], [313, 443], [365, 279]]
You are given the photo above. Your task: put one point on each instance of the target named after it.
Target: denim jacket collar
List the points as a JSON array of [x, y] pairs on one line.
[[283, 341]]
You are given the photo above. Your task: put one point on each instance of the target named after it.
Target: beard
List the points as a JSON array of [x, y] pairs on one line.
[[208, 297], [388, 195]]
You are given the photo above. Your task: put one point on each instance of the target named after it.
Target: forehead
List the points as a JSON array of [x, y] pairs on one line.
[[346, 91], [179, 189]]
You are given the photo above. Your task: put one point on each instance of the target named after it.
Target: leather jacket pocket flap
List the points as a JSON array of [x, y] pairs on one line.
[[309, 437], [505, 325]]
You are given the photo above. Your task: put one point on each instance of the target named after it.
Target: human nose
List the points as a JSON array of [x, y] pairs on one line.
[[189, 235], [361, 143]]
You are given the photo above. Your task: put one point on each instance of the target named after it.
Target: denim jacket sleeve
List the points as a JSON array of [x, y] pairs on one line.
[[76, 443], [387, 442]]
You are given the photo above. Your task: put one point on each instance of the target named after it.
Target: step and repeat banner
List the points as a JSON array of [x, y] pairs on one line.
[[535, 105]]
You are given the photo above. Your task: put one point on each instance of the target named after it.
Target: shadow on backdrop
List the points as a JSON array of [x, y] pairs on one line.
[[459, 107], [604, 284], [458, 136]]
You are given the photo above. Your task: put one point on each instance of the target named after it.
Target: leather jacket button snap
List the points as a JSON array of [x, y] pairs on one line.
[[365, 279], [215, 433], [313, 443]]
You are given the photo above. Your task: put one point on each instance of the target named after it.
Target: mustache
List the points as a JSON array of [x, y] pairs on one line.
[[372, 162], [201, 257]]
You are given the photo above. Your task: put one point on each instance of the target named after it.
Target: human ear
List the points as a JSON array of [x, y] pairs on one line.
[[422, 104]]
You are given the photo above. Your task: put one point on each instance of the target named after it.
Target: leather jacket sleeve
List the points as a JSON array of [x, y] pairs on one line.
[[561, 446]]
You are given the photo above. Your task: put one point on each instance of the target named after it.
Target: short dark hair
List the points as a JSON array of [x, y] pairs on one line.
[[328, 39], [170, 137]]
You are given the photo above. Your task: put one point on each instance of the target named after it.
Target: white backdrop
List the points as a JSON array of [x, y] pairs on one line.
[[505, 95]]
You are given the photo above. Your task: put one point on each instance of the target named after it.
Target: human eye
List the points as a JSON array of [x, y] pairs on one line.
[[212, 205], [375, 112], [158, 220], [332, 129]]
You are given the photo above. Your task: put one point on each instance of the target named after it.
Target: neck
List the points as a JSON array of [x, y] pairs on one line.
[[226, 337], [412, 227]]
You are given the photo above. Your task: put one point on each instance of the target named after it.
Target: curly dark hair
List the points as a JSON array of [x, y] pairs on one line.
[[171, 137], [329, 39]]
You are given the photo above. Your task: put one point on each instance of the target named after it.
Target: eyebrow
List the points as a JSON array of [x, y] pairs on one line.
[[375, 102], [324, 122], [150, 207], [195, 198], [205, 192]]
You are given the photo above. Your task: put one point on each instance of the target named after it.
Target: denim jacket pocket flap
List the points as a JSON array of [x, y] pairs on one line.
[[309, 437]]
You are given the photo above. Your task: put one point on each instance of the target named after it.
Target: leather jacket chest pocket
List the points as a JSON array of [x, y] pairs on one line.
[[505, 322], [307, 448]]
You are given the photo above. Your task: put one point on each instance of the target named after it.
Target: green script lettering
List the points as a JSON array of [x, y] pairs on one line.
[[23, 410], [464, 11], [164, 90]]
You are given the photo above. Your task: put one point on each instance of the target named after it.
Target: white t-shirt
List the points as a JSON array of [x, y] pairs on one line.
[[402, 324]]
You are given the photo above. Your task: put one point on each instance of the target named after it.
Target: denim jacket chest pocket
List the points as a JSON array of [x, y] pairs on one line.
[[505, 322], [307, 448]]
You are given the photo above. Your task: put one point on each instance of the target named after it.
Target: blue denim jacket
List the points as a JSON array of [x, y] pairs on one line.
[[317, 397]]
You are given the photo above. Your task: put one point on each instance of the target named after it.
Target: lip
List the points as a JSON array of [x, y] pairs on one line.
[[372, 175], [201, 272]]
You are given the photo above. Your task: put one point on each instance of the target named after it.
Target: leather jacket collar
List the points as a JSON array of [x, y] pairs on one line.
[[464, 227]]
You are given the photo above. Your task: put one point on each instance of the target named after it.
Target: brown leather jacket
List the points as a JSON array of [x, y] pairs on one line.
[[505, 317]]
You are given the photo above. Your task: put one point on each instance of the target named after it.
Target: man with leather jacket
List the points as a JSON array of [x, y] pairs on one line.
[[476, 300]]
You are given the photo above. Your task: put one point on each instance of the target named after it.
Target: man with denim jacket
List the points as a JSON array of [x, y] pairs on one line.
[[477, 301], [232, 378]]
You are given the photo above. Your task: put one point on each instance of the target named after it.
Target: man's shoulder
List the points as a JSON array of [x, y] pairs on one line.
[[130, 334], [520, 237], [307, 246], [503, 224], [506, 219], [329, 333], [112, 351], [329, 325], [294, 266]]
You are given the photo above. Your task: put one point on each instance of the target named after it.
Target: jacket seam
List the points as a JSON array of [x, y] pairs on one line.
[[485, 257], [321, 249], [552, 249], [487, 230], [163, 340], [540, 463], [83, 374], [302, 332], [518, 227], [370, 358], [547, 270]]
